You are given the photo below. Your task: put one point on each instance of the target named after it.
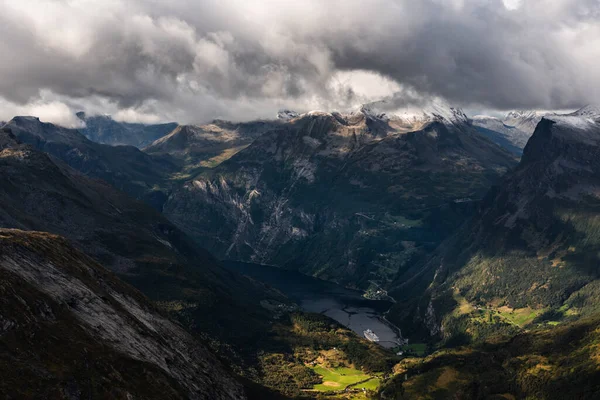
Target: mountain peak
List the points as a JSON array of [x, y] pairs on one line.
[[522, 114], [29, 123], [19, 119], [525, 120], [435, 110]]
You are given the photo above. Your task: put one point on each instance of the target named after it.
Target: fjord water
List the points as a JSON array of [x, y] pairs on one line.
[[346, 306]]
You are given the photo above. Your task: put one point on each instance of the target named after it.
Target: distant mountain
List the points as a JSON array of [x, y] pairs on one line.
[[103, 129], [524, 120], [511, 138], [374, 188], [199, 147], [125, 167], [530, 255], [71, 330], [512, 131]]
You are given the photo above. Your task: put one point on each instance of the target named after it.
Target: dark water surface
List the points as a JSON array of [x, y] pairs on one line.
[[346, 306]]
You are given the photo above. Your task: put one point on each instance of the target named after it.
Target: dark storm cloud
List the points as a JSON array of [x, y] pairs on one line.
[[191, 60]]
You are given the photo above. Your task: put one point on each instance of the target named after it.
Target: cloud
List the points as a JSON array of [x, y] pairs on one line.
[[46, 109], [190, 61]]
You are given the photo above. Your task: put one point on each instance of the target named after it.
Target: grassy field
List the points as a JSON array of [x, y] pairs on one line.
[[340, 378], [521, 316], [225, 155], [371, 384]]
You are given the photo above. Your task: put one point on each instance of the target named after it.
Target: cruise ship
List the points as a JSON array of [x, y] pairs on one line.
[[369, 334]]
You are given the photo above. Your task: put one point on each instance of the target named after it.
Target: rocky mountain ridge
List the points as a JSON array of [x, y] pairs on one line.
[[359, 183]]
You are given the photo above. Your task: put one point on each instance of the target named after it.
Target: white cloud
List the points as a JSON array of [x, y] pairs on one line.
[[46, 110], [512, 4], [193, 61]]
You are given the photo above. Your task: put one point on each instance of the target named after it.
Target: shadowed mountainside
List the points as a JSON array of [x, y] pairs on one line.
[[70, 329]]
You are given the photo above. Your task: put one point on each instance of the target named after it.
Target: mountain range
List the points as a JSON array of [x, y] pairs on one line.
[[376, 190], [483, 233], [125, 167]]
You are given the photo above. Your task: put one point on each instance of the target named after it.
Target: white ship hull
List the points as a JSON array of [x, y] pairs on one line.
[[370, 335]]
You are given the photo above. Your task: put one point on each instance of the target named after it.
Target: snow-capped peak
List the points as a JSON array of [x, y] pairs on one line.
[[525, 120], [520, 114], [434, 110]]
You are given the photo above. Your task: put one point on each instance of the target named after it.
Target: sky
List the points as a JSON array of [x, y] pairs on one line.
[[192, 61]]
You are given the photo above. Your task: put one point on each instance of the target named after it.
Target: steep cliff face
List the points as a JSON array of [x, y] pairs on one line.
[[71, 330], [344, 197], [532, 249]]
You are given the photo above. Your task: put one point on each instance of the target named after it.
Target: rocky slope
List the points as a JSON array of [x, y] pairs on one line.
[[373, 188], [69, 329], [104, 129], [206, 146], [125, 167], [530, 255], [131, 239]]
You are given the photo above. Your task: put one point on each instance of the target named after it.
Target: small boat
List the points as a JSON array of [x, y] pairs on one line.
[[370, 335]]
